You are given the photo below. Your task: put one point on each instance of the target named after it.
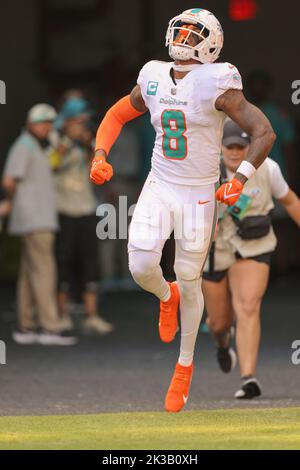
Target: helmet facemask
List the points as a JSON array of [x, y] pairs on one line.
[[185, 38]]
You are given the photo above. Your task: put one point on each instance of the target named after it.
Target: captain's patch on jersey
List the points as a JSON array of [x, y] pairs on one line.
[[152, 88], [236, 77]]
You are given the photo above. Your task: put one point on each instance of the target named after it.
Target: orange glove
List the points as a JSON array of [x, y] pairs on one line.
[[228, 193], [101, 171]]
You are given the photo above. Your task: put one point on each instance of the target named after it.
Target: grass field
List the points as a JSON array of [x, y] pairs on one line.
[[274, 428]]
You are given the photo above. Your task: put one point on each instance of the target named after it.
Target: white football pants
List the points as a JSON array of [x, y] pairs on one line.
[[191, 212]]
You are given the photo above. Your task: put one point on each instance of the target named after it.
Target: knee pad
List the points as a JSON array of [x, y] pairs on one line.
[[191, 296], [187, 269], [143, 263]]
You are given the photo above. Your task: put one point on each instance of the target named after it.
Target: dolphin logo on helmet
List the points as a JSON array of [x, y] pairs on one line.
[[207, 33]]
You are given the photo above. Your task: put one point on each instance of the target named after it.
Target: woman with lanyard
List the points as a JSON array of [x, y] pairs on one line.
[[237, 270]]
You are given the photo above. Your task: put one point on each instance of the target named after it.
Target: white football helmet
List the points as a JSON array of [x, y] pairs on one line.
[[206, 32]]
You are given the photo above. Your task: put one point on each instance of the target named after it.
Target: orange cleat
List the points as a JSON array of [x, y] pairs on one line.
[[168, 321], [178, 392]]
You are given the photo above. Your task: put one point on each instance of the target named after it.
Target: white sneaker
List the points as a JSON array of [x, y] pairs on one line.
[[96, 324], [49, 338], [22, 336], [66, 323], [250, 388]]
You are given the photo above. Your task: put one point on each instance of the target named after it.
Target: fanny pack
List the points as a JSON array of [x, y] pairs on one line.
[[252, 227]]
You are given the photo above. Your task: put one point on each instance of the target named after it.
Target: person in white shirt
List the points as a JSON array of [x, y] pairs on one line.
[[236, 274]]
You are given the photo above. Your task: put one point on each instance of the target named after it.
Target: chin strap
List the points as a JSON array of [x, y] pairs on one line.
[[185, 68]]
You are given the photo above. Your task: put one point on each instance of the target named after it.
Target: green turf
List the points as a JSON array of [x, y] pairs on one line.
[[218, 429]]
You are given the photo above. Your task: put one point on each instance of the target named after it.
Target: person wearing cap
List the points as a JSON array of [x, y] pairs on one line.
[[27, 181], [236, 274], [76, 242]]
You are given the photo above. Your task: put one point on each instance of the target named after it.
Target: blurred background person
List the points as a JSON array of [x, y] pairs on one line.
[[28, 182], [236, 276], [76, 245]]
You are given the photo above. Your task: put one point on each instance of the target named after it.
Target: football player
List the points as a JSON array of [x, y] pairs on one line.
[[188, 100]]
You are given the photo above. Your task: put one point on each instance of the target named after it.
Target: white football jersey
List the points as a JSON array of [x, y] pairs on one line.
[[188, 128]]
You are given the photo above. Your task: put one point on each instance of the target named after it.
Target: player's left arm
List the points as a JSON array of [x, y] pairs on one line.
[[254, 122], [251, 120]]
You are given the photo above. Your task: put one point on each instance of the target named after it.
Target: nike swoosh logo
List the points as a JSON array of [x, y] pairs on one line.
[[203, 202], [185, 399], [226, 195]]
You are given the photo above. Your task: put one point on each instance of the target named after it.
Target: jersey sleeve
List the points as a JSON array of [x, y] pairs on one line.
[[279, 186], [143, 79], [229, 78]]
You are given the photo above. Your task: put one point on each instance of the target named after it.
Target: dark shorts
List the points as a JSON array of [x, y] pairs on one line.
[[76, 252], [217, 276]]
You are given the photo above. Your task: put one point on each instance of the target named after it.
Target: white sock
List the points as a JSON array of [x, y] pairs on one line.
[[167, 295], [191, 310]]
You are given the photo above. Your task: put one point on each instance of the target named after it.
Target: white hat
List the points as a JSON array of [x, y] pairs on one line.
[[40, 113]]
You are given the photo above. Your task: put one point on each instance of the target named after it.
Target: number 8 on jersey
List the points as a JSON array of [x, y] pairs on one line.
[[174, 142]]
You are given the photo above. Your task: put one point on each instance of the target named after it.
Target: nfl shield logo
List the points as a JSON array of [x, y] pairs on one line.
[[173, 91]]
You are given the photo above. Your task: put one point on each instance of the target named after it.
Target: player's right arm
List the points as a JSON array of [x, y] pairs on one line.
[[125, 110]]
